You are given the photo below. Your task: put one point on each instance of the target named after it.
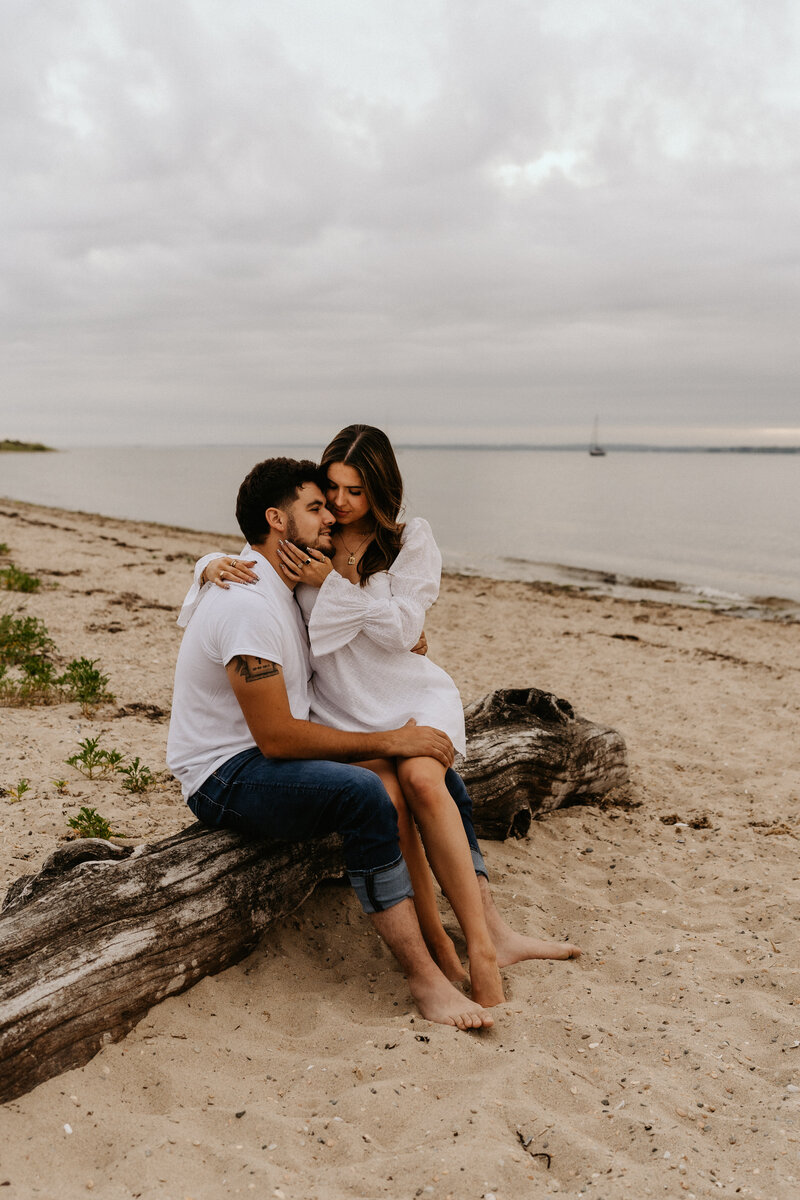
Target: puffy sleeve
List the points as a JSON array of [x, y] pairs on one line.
[[343, 609], [192, 598]]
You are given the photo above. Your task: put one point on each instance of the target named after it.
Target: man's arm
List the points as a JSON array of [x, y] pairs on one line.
[[258, 686], [421, 646]]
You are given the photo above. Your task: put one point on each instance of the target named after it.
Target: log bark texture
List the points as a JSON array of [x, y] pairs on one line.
[[103, 932], [529, 753]]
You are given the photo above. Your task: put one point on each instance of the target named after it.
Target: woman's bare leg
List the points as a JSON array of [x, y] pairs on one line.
[[436, 937], [447, 848]]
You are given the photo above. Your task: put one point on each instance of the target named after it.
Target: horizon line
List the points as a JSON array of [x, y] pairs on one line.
[[579, 447]]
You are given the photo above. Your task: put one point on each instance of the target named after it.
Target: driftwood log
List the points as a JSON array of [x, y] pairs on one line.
[[529, 753], [103, 932]]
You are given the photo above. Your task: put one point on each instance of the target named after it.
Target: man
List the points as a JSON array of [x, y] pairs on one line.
[[248, 757]]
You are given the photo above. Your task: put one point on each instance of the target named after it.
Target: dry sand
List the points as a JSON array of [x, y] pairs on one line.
[[665, 1062]]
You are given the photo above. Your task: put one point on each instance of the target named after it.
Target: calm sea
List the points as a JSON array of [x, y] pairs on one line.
[[718, 525]]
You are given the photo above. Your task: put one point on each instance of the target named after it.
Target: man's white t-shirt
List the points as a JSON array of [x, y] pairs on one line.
[[207, 726]]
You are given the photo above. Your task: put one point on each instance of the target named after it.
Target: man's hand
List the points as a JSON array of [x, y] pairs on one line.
[[421, 646], [260, 689], [423, 741]]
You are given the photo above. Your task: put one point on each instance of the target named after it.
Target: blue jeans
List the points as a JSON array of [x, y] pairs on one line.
[[463, 801], [298, 800]]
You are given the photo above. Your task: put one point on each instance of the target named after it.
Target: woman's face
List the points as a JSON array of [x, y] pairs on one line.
[[345, 494]]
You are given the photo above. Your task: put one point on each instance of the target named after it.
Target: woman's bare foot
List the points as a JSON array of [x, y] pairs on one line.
[[437, 1000], [444, 954], [486, 984], [513, 947], [518, 948]]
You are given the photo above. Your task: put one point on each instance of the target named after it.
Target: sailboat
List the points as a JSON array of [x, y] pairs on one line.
[[595, 449]]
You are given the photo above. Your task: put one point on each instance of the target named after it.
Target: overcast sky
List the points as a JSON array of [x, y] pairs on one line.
[[254, 220]]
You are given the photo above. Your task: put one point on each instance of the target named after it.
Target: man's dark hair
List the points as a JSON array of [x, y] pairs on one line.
[[273, 483]]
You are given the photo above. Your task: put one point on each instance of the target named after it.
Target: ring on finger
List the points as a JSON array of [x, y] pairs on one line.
[[307, 562]]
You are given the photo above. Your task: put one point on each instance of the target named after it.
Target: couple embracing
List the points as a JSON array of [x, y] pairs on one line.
[[304, 705]]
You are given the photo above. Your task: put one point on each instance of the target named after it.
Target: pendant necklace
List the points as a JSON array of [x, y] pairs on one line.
[[352, 559]]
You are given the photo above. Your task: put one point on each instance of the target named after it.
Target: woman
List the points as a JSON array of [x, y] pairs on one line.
[[365, 611]]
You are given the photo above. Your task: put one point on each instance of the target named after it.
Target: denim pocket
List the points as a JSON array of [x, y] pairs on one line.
[[207, 810]]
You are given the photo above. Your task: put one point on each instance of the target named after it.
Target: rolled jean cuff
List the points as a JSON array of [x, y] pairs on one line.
[[477, 862], [382, 888]]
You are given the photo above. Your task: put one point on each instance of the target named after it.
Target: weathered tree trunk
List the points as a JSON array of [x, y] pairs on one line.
[[102, 932], [529, 753]]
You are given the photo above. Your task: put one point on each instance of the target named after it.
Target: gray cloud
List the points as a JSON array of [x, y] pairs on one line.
[[492, 216]]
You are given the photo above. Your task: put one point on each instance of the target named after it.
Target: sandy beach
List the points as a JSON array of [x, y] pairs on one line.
[[664, 1062]]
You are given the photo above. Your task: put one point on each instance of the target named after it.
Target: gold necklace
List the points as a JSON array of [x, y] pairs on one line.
[[351, 560]]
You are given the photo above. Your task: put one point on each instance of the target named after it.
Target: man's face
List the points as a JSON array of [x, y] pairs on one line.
[[309, 522]]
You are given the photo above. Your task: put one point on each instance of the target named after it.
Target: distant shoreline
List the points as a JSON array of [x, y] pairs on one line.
[[558, 578], [10, 446], [614, 448], [566, 447]]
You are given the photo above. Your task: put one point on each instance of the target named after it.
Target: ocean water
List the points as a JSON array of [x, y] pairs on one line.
[[716, 525]]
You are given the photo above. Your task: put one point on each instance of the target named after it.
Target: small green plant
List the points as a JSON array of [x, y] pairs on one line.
[[23, 638], [138, 778], [13, 579], [83, 681], [93, 761], [3, 548], [15, 794], [90, 824], [26, 645], [35, 683], [61, 786]]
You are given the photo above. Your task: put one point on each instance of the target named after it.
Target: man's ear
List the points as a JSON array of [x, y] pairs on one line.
[[276, 519]]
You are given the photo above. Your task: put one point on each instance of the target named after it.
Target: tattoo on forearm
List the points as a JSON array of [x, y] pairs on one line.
[[252, 669]]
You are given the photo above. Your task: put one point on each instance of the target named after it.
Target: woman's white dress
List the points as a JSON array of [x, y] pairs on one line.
[[365, 676]]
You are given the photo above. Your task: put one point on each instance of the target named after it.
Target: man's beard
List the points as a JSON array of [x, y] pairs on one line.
[[292, 536]]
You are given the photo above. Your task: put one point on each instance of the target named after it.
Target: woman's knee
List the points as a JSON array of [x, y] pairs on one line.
[[422, 784]]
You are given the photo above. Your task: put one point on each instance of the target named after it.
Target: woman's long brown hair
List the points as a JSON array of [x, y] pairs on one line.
[[370, 452]]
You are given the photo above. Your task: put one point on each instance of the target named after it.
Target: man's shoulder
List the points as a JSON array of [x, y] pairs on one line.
[[241, 602], [258, 597], [238, 620]]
